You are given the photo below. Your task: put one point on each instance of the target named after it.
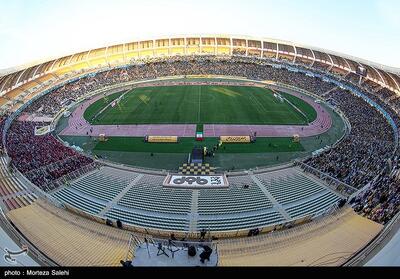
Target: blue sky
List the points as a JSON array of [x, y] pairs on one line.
[[36, 29]]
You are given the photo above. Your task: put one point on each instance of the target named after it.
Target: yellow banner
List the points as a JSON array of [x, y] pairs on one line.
[[237, 139], [162, 139]]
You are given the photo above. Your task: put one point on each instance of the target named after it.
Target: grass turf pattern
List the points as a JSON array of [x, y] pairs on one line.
[[99, 105], [200, 104]]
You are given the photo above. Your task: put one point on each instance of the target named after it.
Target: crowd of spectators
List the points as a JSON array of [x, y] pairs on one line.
[[381, 200], [359, 157], [178, 66], [42, 159], [3, 119], [354, 170], [356, 160]]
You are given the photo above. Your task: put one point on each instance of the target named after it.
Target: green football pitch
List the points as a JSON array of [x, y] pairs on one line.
[[185, 145], [200, 104]]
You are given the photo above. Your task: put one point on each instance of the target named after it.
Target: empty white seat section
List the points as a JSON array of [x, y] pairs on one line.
[[237, 198], [240, 222], [78, 201], [172, 222], [149, 194], [279, 196], [315, 205], [104, 184], [289, 186]]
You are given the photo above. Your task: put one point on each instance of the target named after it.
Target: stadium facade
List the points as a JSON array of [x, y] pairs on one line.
[[24, 78]]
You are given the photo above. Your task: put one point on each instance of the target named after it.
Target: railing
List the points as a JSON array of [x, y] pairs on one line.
[[211, 234], [72, 176], [332, 182], [170, 244], [35, 189]]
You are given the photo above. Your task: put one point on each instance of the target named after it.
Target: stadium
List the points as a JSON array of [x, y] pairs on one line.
[[200, 150]]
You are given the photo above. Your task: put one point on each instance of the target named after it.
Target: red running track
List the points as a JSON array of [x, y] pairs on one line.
[[78, 126]]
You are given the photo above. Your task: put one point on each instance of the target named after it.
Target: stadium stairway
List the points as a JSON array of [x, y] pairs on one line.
[[329, 91], [297, 193], [277, 206], [13, 193], [120, 195], [194, 215]]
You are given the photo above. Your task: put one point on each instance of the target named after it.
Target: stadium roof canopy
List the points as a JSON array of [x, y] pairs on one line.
[[124, 53]]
